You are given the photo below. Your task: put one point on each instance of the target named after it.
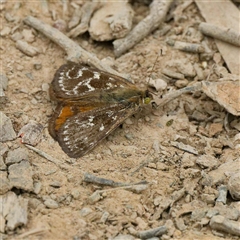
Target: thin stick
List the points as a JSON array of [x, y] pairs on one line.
[[143, 164], [223, 34], [45, 155], [151, 233], [31, 232], [136, 188], [74, 52], [130, 186], [158, 11], [169, 97], [90, 178], [221, 223]]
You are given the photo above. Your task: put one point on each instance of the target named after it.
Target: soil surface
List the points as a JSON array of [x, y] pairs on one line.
[[144, 148]]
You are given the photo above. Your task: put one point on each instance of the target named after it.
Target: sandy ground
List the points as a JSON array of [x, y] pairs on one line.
[[145, 137]]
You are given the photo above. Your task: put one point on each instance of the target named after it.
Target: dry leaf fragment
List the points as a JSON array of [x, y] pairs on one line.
[[226, 93]]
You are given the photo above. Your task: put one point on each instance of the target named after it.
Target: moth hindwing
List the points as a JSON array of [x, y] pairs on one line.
[[90, 104]]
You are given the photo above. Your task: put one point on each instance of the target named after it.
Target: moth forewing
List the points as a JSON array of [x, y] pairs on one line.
[[76, 81]]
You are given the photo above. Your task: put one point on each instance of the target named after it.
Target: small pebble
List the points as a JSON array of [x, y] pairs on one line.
[[5, 31], [158, 84], [212, 212], [28, 35], [50, 203], [207, 161], [19, 67], [181, 83], [75, 193], [188, 198], [198, 214], [104, 217], [30, 76], [128, 136], [208, 198], [3, 81], [16, 156], [55, 184], [161, 166], [95, 197], [34, 203], [177, 234], [234, 186], [180, 224], [9, 17], [85, 211], [147, 119], [124, 237], [172, 74], [20, 175], [37, 66], [16, 36], [37, 186], [204, 221], [128, 121], [142, 225], [34, 101], [3, 167]]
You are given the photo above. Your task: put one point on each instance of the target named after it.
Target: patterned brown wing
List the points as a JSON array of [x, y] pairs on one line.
[[76, 81], [81, 132]]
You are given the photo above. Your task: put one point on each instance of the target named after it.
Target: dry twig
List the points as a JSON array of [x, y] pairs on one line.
[[221, 223], [90, 178], [45, 155], [184, 147], [223, 34], [170, 96], [74, 52], [158, 11], [151, 233], [186, 47], [142, 165], [31, 232]]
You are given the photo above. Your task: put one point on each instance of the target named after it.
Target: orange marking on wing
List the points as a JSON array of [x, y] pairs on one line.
[[86, 108], [63, 116]]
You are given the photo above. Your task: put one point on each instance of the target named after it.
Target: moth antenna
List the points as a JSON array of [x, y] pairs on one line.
[[160, 53]]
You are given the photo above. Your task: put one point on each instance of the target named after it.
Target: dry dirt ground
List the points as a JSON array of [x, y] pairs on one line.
[[194, 120]]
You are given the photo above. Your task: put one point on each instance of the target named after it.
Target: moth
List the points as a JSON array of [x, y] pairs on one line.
[[90, 104]]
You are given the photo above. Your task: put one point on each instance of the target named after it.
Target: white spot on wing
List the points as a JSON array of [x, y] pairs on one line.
[[87, 83], [66, 139], [79, 73], [109, 113], [101, 128], [67, 73], [96, 75], [109, 85], [91, 118]]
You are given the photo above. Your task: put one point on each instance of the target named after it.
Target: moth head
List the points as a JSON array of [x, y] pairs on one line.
[[148, 97]]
